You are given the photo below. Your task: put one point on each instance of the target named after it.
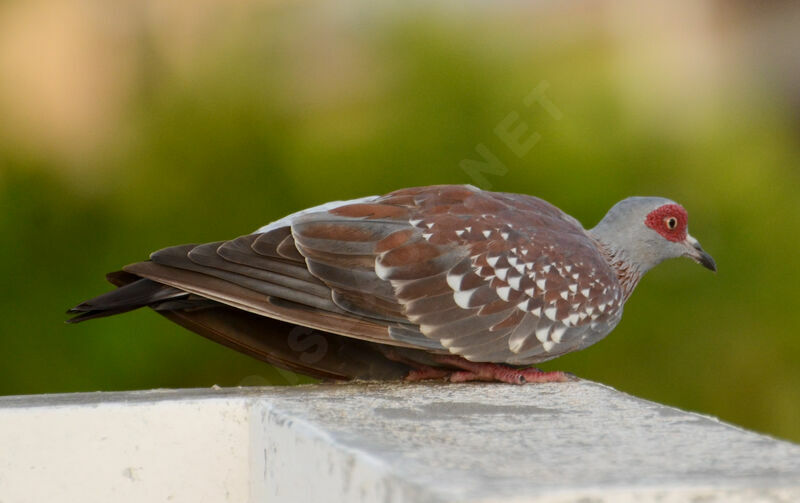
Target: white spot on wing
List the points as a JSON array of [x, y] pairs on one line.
[[454, 281], [381, 270], [558, 333], [486, 234], [550, 312], [541, 283], [462, 298], [514, 282], [503, 292], [493, 260], [542, 332]]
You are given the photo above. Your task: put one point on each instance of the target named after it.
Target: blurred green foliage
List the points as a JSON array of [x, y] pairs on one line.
[[282, 111]]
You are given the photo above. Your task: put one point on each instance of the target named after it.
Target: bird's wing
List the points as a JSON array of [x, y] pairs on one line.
[[489, 276]]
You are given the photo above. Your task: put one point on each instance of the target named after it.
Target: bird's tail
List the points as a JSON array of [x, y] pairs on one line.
[[132, 293]]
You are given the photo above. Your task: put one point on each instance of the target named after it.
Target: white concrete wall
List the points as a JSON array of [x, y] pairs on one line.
[[382, 442]]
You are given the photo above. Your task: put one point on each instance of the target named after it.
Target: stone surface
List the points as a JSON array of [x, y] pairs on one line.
[[382, 442]]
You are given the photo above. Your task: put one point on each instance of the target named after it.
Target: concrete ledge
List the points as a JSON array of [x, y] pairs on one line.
[[382, 442]]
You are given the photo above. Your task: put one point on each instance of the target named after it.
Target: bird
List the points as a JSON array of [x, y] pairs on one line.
[[447, 282]]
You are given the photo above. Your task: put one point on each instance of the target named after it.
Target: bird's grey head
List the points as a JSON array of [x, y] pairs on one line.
[[645, 231]]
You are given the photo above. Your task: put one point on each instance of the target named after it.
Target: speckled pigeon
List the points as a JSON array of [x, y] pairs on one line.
[[442, 281]]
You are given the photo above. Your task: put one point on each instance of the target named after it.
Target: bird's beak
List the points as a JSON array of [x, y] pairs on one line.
[[696, 253]]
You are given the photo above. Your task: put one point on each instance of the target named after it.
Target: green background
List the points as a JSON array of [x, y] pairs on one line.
[[202, 122]]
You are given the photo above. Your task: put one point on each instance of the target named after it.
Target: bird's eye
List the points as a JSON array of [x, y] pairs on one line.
[[671, 222]]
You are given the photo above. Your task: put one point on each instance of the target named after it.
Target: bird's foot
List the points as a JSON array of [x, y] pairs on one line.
[[491, 372], [499, 373], [423, 373]]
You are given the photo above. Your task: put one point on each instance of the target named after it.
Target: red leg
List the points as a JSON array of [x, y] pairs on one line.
[[424, 373], [474, 371]]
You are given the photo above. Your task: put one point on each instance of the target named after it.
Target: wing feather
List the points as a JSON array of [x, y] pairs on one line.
[[248, 300], [241, 251]]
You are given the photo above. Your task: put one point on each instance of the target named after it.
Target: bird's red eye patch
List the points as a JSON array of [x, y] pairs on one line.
[[670, 221]]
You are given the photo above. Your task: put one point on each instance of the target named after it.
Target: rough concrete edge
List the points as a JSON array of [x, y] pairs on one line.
[[700, 415], [133, 396], [264, 414], [660, 494], [246, 392]]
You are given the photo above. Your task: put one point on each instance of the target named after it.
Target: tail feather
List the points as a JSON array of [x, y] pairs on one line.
[[133, 295]]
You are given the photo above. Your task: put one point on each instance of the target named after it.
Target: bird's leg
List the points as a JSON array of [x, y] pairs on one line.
[[501, 373], [480, 371], [474, 371], [424, 372]]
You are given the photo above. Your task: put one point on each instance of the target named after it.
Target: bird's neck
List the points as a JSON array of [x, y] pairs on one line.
[[628, 274]]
